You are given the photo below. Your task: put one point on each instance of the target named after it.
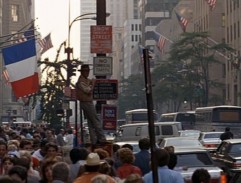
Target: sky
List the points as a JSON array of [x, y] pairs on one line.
[[52, 16]]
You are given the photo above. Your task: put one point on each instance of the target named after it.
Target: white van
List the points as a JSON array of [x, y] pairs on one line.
[[135, 132]]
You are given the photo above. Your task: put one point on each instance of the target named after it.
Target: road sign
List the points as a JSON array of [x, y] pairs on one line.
[[102, 66], [109, 117], [105, 89], [101, 39]]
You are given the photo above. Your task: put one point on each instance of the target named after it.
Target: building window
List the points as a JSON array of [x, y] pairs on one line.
[[136, 27], [132, 27], [139, 27], [132, 38], [223, 20], [238, 30], [136, 38], [15, 13]]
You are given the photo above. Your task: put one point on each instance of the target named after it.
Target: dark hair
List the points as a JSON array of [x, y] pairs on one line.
[[45, 164], [227, 129], [60, 171], [21, 171], [24, 142], [24, 162], [77, 154], [3, 142], [162, 157], [144, 144], [201, 176], [127, 146], [115, 147], [51, 144], [7, 179]]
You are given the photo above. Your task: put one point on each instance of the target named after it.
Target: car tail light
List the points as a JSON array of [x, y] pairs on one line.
[[223, 178], [210, 145], [236, 164]]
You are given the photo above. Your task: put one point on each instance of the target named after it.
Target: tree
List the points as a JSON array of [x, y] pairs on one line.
[[194, 53]]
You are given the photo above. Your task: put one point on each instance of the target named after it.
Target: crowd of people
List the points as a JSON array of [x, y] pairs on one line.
[[39, 155]]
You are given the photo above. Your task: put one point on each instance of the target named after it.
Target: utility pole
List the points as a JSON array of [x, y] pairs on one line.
[[101, 20]]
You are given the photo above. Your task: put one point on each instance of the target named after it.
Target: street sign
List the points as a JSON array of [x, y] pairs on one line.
[[102, 66], [109, 117], [101, 39], [105, 89]]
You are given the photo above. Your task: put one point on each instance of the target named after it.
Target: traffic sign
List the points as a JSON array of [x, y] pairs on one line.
[[101, 39], [105, 89], [109, 117], [102, 66]]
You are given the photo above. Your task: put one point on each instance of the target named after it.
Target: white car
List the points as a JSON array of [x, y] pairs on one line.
[[180, 142], [190, 133], [210, 140]]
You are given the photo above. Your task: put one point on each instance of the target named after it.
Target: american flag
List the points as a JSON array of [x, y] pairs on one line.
[[182, 21], [160, 41], [211, 3], [27, 35], [6, 77], [45, 43]]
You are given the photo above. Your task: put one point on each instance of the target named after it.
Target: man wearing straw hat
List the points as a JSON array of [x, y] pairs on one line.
[[84, 93]]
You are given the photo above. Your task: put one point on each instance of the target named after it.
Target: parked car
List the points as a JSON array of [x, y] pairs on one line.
[[190, 159], [190, 133], [228, 156], [210, 140], [137, 131], [180, 142]]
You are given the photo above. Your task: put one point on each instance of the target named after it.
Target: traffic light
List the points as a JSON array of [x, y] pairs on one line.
[[71, 70]]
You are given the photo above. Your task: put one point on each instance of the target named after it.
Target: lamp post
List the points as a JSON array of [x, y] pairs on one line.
[[71, 69]]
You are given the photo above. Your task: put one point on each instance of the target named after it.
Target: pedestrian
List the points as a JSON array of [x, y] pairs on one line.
[[201, 176], [227, 134], [164, 173], [84, 92], [60, 172], [142, 158], [127, 159], [92, 167]]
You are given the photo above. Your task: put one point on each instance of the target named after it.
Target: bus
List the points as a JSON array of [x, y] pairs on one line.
[[217, 118], [187, 118], [139, 116]]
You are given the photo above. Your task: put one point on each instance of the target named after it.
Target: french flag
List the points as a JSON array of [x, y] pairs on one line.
[[21, 64]]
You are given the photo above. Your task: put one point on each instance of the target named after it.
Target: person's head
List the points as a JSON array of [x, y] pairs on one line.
[[18, 173], [115, 147], [60, 171], [3, 148], [170, 149], [46, 169], [144, 143], [227, 129], [201, 176], [26, 144], [93, 162], [8, 162], [129, 146], [126, 155], [102, 153], [51, 149], [7, 179], [162, 157], [77, 154], [85, 70], [100, 179], [134, 178]]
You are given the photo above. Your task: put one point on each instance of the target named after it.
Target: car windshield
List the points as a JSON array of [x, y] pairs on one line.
[[193, 160], [235, 148], [212, 135], [182, 142], [189, 134]]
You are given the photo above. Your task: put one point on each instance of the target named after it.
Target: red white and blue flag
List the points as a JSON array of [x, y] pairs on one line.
[[211, 3], [182, 21], [21, 64], [45, 43], [160, 41]]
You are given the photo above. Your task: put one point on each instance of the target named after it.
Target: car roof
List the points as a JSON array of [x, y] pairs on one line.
[[210, 132], [233, 141], [189, 150], [179, 138], [156, 123]]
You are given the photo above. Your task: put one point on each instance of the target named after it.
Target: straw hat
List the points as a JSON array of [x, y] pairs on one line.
[[93, 159]]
